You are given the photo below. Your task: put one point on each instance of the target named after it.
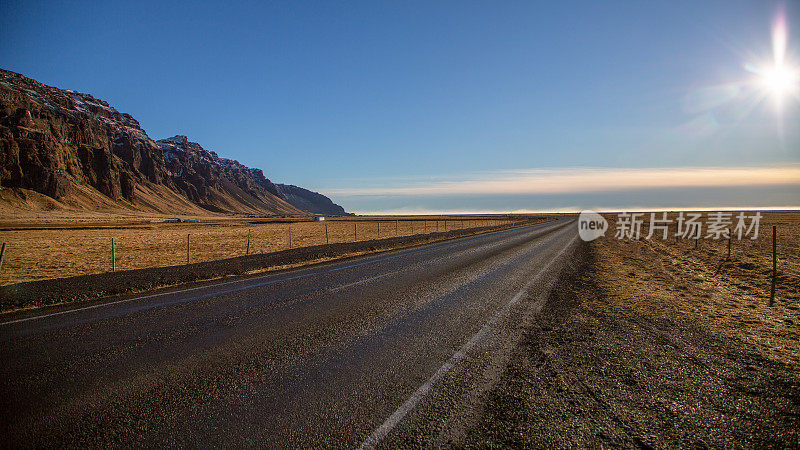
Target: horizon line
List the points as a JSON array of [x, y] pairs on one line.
[[570, 210]]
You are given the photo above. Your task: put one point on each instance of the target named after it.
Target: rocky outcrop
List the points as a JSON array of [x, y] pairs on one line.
[[208, 180], [59, 142], [310, 201]]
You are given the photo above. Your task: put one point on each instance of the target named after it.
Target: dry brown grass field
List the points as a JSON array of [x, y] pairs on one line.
[[697, 282], [40, 249]]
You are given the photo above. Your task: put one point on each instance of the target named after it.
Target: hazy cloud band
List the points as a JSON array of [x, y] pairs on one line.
[[588, 180]]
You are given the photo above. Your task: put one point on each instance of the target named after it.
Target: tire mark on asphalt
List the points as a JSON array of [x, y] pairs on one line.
[[393, 420]]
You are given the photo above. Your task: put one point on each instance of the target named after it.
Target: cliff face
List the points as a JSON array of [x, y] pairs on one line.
[[310, 201], [51, 140], [85, 154], [217, 184]]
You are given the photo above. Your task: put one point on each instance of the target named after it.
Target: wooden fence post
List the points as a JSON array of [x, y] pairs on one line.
[[424, 227], [326, 233], [729, 246], [2, 252], [395, 228], [774, 265], [290, 234], [355, 231], [187, 248], [113, 259], [412, 227], [247, 251]]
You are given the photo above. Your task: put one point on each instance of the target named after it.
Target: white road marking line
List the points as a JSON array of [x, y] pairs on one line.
[[182, 291], [365, 280], [384, 429]]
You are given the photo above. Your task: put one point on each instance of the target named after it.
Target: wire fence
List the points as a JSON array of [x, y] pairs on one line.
[[41, 253]]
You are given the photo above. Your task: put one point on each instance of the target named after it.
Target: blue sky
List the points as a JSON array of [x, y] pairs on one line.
[[360, 99]]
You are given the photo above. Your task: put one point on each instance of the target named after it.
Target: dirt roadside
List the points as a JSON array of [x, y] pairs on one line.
[[633, 352]]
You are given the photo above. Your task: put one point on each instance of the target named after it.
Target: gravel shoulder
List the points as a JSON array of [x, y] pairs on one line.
[[630, 352]]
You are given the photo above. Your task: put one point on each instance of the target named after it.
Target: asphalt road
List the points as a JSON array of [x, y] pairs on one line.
[[393, 348]]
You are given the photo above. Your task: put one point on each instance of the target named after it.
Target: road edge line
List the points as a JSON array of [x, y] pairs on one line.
[[397, 416]]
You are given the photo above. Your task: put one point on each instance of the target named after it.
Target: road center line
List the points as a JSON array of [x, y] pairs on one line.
[[386, 427], [365, 280]]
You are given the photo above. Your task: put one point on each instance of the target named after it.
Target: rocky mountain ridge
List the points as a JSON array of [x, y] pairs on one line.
[[84, 154], [310, 201]]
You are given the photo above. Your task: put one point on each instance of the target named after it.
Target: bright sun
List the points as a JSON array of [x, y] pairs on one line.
[[780, 81]]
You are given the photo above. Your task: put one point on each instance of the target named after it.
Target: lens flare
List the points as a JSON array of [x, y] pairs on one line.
[[779, 33], [780, 79]]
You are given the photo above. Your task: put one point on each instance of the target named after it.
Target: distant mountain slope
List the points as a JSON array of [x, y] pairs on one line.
[[85, 155], [310, 201]]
